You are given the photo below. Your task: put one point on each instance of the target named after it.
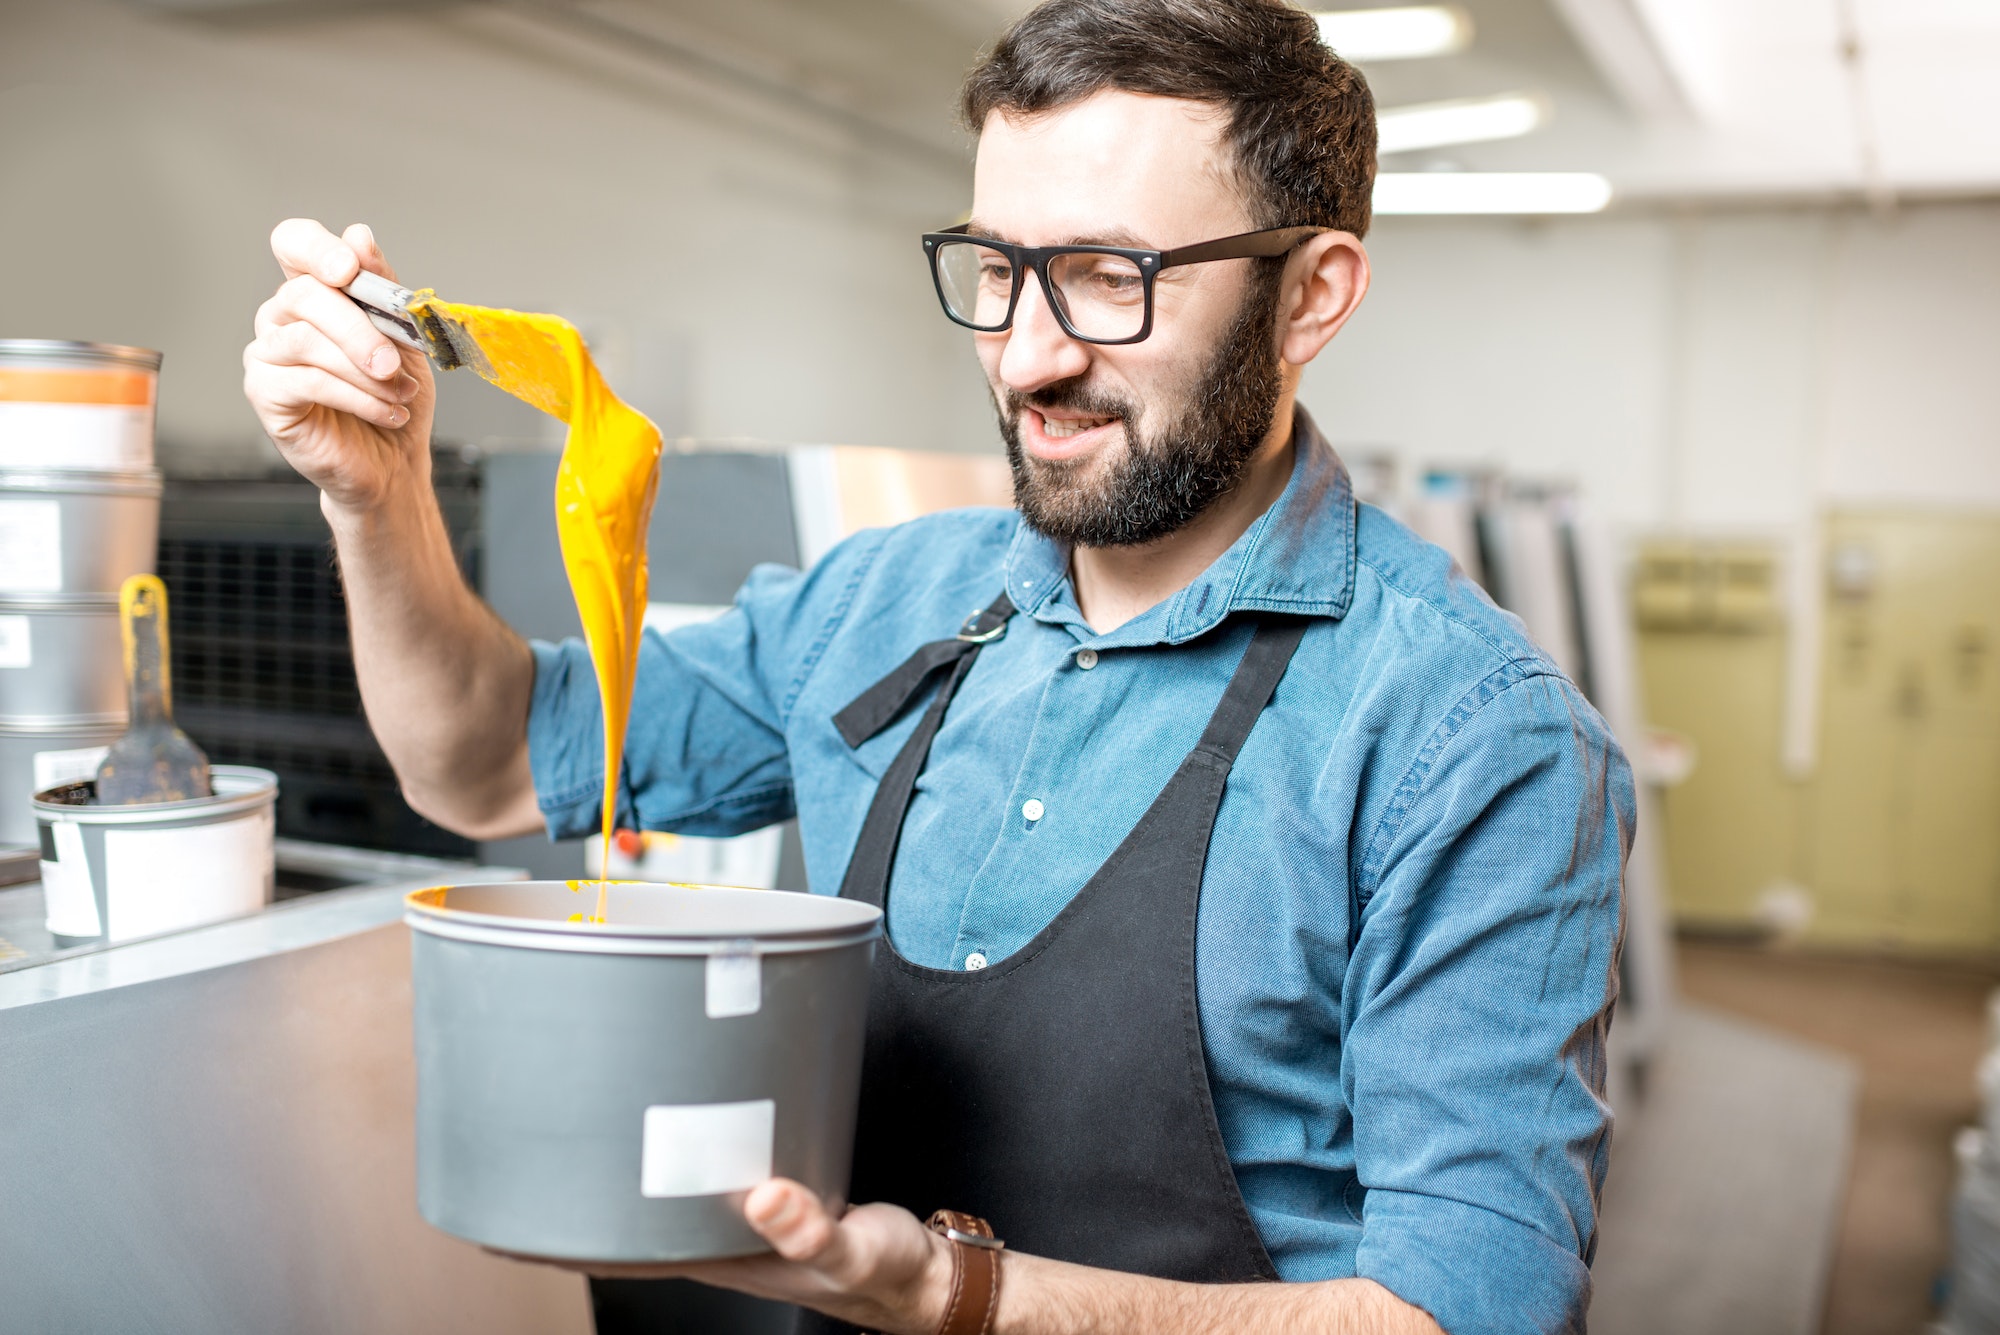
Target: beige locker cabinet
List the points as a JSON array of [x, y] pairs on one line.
[[1712, 653], [1903, 847]]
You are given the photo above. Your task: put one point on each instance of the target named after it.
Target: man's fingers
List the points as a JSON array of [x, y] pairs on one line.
[[297, 390], [302, 344], [360, 237], [303, 246], [311, 301], [316, 264]]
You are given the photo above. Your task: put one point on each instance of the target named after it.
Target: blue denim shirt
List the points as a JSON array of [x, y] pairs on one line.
[[1429, 1113]]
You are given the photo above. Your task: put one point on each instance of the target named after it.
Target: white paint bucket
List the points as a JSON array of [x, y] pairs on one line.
[[76, 531], [76, 405], [33, 759], [112, 874]]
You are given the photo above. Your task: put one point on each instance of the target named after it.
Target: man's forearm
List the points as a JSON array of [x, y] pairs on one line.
[[1043, 1297], [444, 681]]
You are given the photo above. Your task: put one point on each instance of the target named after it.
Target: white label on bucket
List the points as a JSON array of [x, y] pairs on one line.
[[735, 981], [66, 887], [75, 435], [707, 1149], [55, 767], [163, 880], [15, 649], [31, 546]]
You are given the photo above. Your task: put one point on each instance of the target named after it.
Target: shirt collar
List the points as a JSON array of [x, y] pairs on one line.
[[1297, 557]]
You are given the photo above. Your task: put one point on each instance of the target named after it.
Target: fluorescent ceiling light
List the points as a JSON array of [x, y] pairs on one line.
[[1491, 192], [1396, 34], [1468, 120]]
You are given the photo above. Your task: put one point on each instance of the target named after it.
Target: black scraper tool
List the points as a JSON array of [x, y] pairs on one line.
[[154, 761]]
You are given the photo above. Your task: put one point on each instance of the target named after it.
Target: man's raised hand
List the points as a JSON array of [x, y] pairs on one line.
[[346, 406]]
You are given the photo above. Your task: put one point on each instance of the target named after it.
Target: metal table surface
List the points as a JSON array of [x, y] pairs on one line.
[[303, 869], [212, 1130]]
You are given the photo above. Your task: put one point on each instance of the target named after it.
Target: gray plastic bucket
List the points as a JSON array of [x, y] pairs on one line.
[[76, 532], [611, 1092], [62, 661]]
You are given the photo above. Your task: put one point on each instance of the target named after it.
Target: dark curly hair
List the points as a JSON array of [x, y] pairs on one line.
[[1301, 119]]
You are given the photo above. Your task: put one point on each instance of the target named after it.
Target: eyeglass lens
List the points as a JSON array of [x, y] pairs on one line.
[[1102, 296]]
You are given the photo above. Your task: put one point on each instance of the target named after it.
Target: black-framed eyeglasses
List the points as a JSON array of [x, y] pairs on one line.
[[1100, 294]]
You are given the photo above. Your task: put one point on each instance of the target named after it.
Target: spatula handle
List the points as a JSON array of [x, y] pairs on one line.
[[142, 611]]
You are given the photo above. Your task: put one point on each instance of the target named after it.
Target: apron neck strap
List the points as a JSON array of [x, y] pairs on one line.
[[1257, 674], [881, 704]]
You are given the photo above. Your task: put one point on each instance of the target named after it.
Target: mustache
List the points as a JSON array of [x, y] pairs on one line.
[[1073, 395]]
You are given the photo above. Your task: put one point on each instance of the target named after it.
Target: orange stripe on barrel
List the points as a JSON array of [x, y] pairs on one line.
[[76, 385]]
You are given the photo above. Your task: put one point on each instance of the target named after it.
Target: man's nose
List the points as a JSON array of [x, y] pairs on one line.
[[1038, 351]]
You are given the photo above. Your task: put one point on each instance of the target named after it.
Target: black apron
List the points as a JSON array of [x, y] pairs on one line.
[[1061, 1093]]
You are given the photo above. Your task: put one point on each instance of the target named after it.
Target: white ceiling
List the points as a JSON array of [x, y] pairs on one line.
[[1896, 95], [1668, 98], [1771, 97]]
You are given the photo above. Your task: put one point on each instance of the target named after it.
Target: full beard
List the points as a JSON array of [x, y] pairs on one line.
[[1164, 479]]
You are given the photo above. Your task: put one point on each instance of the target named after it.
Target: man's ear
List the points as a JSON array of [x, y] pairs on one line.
[[1325, 280]]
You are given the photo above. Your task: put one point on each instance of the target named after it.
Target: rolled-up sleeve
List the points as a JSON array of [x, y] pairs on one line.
[[1477, 1005], [705, 752]]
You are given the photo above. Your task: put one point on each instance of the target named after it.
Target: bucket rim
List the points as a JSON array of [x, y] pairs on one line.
[[238, 788], [59, 604], [138, 482], [69, 350], [55, 727], [425, 915]]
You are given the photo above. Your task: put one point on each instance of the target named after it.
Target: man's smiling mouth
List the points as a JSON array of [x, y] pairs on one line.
[[1063, 428]]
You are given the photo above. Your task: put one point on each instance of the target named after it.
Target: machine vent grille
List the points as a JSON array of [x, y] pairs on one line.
[[262, 671]]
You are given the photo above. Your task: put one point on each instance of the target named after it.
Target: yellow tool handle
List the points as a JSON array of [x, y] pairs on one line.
[[142, 616]]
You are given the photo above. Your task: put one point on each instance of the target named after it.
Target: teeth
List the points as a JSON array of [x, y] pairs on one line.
[[1062, 430]]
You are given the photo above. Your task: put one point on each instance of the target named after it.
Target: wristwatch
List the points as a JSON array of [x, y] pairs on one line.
[[975, 1273]]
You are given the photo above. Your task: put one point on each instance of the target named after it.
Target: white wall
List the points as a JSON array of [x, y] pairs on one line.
[[1727, 370], [745, 275]]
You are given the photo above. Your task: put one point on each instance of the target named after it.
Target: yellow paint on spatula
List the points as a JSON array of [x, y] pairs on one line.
[[605, 485]]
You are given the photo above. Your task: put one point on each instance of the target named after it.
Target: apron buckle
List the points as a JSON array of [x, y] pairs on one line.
[[971, 633]]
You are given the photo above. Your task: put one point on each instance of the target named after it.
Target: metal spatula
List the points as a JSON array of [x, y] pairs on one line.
[[154, 761], [438, 337]]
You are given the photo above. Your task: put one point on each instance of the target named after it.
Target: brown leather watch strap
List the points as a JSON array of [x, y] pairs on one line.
[[975, 1273]]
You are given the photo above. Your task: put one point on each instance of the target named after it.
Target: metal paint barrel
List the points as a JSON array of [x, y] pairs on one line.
[[76, 405], [34, 758], [62, 661], [122, 872], [611, 1092], [67, 532]]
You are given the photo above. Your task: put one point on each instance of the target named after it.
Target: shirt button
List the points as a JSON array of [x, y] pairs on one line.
[[975, 961], [1032, 809], [1086, 659]]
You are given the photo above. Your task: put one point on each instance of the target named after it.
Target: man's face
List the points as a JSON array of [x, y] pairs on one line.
[[1117, 445]]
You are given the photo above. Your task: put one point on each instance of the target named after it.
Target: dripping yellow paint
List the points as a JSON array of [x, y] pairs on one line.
[[605, 485], [602, 888]]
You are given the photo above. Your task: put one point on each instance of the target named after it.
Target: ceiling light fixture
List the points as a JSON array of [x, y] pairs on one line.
[[1404, 33], [1491, 192], [1469, 120]]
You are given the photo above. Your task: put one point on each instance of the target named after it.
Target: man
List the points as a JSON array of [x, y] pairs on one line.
[[1252, 883]]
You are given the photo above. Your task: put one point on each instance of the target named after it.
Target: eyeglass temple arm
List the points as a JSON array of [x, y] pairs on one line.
[[1244, 245]]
